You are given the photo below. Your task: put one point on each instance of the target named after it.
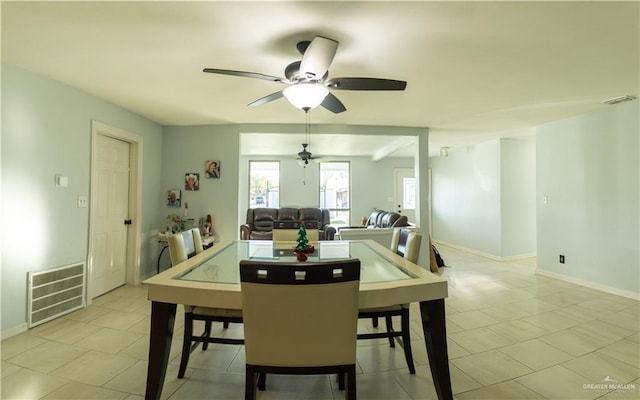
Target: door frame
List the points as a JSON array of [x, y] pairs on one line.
[[134, 232], [397, 194]]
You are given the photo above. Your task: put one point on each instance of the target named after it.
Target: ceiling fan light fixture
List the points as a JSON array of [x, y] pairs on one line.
[[305, 95]]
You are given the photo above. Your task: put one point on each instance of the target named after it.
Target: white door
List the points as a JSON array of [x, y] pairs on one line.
[[405, 193], [111, 199]]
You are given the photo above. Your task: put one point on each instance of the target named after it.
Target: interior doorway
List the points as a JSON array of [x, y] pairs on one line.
[[115, 210], [405, 192]]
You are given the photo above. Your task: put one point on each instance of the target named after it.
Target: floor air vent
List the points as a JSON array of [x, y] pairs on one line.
[[55, 292]]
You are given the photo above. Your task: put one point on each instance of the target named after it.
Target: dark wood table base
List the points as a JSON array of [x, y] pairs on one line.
[[432, 313]]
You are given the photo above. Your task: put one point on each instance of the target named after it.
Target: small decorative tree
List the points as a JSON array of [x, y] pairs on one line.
[[303, 242], [303, 248]]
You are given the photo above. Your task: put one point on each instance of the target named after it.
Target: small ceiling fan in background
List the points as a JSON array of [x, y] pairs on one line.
[[308, 81]]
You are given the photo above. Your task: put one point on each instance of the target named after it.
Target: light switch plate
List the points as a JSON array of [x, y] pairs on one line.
[[83, 201]]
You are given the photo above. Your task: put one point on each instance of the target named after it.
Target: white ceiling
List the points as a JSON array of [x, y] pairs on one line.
[[475, 70]]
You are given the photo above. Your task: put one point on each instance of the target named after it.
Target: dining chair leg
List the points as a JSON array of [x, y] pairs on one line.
[[389, 322], [406, 340], [374, 322], [225, 325], [350, 392], [250, 383], [207, 333], [341, 383], [186, 344], [262, 381]]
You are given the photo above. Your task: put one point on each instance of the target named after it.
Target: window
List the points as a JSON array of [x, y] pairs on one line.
[[264, 184], [335, 191]]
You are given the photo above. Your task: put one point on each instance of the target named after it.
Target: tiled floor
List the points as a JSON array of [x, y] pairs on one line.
[[512, 335]]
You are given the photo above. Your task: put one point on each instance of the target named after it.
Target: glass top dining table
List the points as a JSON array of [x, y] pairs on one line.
[[211, 279], [223, 267]]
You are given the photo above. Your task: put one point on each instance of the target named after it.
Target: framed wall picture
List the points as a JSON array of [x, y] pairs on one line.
[[173, 198], [191, 181], [212, 169]]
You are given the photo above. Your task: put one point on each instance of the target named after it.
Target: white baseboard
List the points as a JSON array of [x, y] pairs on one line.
[[483, 254], [13, 331], [591, 285]]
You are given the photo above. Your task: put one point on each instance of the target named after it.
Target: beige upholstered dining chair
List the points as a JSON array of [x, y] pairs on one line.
[[184, 245], [405, 243], [300, 319]]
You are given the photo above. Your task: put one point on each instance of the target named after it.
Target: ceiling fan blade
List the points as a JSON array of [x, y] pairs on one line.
[[244, 74], [266, 99], [365, 84], [332, 104], [318, 57]]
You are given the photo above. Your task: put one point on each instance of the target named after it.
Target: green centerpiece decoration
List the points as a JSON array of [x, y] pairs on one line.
[[303, 248]]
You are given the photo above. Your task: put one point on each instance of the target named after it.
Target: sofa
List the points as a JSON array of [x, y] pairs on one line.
[[378, 227], [260, 221]]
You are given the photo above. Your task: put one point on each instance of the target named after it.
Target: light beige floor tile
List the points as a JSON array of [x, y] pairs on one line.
[[602, 331], [288, 387], [26, 384], [460, 381], [94, 368], [626, 351], [81, 391], [69, 331], [602, 305], [472, 319], [119, 320], [551, 321], [573, 342], [8, 368], [480, 340], [455, 350], [18, 344], [217, 357], [491, 367], [508, 390], [597, 367], [506, 312], [377, 386], [558, 382], [536, 354], [518, 330], [47, 357], [577, 313], [109, 340], [623, 319], [418, 385], [87, 314], [134, 379], [383, 358]]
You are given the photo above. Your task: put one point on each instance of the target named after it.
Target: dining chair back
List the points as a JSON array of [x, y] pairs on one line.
[[182, 246], [287, 231], [300, 318], [405, 243]]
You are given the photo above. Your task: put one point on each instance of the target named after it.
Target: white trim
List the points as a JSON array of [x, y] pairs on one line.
[[483, 254], [591, 285], [134, 237], [16, 330]]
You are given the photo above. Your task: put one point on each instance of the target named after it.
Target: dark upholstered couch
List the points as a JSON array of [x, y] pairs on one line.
[[385, 219], [379, 227], [260, 221]]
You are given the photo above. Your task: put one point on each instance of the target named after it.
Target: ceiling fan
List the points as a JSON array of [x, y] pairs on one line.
[[308, 81]]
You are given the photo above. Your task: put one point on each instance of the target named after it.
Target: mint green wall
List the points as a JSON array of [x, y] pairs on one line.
[[484, 198], [518, 197], [466, 198], [186, 149], [587, 167], [46, 130]]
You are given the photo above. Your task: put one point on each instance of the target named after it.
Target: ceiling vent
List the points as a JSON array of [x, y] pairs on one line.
[[617, 100]]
